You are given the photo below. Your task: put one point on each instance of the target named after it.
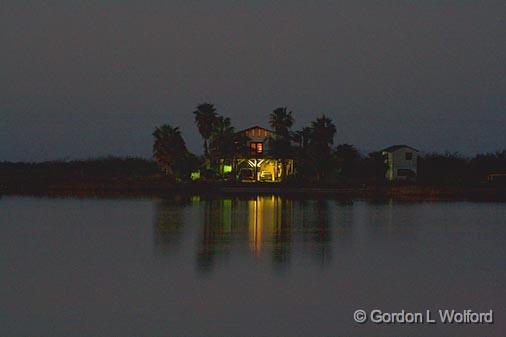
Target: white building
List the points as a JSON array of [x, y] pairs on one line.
[[401, 161]]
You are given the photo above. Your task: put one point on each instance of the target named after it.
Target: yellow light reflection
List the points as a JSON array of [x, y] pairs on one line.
[[264, 217]]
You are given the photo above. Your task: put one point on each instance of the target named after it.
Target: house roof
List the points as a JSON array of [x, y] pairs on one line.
[[394, 148], [255, 127]]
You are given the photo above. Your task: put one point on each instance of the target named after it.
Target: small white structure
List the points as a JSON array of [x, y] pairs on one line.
[[401, 161]]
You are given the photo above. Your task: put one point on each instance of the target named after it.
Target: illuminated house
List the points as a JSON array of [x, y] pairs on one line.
[[258, 165], [401, 161]]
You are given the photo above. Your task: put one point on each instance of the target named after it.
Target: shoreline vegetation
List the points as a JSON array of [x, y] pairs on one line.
[[321, 167], [113, 176], [307, 159]]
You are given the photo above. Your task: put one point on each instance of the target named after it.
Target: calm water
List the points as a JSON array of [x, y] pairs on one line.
[[259, 266]]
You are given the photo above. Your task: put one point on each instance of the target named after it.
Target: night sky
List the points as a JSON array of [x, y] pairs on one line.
[[81, 79]]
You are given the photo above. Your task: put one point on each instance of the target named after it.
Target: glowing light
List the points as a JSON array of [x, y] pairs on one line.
[[195, 175], [227, 168], [257, 147]]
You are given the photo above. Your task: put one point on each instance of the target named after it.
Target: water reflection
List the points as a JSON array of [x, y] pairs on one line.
[[260, 227], [245, 266], [215, 233], [317, 233], [387, 218], [168, 224]]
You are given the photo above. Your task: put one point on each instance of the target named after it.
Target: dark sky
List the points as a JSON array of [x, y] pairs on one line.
[[91, 78]]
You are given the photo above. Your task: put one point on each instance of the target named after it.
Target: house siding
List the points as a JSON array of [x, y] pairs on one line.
[[396, 160], [259, 135]]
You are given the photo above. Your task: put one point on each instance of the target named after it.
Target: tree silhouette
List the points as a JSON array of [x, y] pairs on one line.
[[170, 153], [281, 120], [221, 143], [347, 157], [320, 146], [302, 137], [225, 143], [205, 119], [323, 131]]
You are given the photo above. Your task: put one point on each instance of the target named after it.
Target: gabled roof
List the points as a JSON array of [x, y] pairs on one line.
[[255, 127], [394, 148]]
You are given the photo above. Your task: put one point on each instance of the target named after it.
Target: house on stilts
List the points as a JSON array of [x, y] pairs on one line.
[[257, 164]]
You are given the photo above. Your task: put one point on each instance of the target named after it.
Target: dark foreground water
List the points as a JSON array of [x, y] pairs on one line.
[[259, 266]]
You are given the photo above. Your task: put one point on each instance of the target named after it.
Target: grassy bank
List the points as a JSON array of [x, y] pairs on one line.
[[137, 176]]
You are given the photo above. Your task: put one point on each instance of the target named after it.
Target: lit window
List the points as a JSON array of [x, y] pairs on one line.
[[257, 147]]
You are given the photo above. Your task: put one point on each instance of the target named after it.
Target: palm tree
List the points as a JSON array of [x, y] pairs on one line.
[[241, 144], [221, 143], [306, 135], [225, 144], [281, 120], [323, 131], [205, 118], [169, 150], [302, 137]]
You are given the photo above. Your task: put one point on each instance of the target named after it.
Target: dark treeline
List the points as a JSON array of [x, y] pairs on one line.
[[433, 169], [94, 169], [346, 166], [453, 168]]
